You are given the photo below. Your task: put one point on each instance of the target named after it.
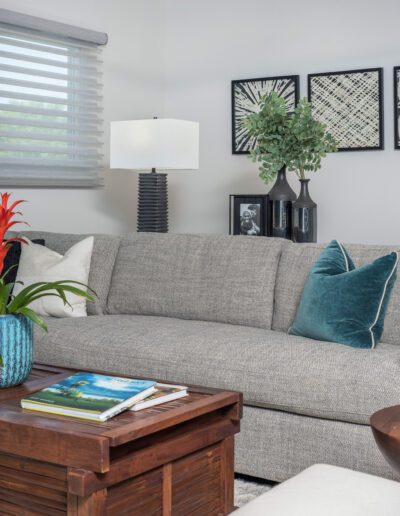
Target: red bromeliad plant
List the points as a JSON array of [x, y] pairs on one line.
[[6, 214], [18, 305]]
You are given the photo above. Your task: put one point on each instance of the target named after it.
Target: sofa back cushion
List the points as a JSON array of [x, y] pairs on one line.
[[226, 279], [102, 263], [293, 270]]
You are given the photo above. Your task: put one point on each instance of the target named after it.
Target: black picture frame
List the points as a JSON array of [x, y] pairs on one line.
[[380, 125], [238, 205], [396, 105], [292, 82]]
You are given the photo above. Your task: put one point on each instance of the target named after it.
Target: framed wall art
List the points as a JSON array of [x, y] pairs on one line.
[[396, 88], [350, 103], [246, 94], [248, 215]]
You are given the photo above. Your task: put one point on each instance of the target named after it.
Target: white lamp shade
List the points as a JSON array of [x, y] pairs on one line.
[[161, 143]]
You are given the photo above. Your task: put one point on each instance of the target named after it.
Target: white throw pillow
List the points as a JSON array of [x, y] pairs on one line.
[[38, 263]]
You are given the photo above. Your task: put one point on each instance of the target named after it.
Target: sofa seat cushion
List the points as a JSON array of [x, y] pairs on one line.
[[272, 369]]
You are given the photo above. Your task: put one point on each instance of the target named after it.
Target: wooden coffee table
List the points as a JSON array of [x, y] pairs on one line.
[[385, 426], [174, 459]]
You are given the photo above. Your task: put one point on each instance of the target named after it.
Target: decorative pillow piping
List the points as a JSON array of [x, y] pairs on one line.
[[381, 301], [346, 261]]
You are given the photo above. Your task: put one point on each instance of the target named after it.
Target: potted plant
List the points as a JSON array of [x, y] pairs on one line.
[[16, 318], [296, 142]]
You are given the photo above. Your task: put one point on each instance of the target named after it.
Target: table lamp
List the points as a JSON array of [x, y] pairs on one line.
[[158, 143]]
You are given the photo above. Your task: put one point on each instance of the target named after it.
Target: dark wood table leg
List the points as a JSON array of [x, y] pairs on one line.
[[227, 473]]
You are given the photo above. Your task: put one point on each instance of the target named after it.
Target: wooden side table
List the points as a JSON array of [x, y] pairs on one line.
[[385, 426], [174, 459]]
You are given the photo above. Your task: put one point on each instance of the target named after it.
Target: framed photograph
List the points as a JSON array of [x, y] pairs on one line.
[[246, 94], [396, 87], [350, 103], [248, 215]]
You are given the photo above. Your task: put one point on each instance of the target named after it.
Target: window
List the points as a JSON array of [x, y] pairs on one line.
[[50, 109]]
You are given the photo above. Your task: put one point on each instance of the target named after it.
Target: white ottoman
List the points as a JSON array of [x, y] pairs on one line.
[[323, 490]]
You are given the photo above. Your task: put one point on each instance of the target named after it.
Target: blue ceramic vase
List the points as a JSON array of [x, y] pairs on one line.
[[16, 338]]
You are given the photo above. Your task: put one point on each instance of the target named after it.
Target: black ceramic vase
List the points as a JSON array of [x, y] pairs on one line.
[[280, 199], [304, 216]]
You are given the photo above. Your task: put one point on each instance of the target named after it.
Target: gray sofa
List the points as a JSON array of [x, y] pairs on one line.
[[215, 310]]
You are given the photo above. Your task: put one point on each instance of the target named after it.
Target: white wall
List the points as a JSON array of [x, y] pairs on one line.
[[211, 42], [202, 45], [133, 88]]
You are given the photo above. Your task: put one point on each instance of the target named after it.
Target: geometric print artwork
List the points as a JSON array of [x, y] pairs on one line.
[[396, 84], [246, 95], [350, 103]]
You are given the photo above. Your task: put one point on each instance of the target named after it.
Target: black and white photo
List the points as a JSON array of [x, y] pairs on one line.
[[246, 95], [350, 103], [396, 87], [247, 215], [250, 219]]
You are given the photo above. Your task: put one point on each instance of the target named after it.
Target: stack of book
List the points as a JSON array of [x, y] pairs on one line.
[[98, 397]]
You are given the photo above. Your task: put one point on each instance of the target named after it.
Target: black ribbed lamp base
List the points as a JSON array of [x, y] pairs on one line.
[[153, 203]]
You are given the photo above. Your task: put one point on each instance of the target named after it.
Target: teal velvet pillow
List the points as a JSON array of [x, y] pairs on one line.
[[342, 303]]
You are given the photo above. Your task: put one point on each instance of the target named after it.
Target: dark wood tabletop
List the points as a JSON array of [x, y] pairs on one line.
[[385, 426], [99, 456]]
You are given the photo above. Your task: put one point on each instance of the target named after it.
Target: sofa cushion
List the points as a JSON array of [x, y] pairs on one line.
[[227, 279], [12, 258], [272, 369], [41, 264], [345, 304], [294, 267], [102, 263]]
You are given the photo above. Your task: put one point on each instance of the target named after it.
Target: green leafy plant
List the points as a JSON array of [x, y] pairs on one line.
[[293, 140], [19, 304]]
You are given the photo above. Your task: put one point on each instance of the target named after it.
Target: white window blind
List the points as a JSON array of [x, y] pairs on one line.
[[50, 109]]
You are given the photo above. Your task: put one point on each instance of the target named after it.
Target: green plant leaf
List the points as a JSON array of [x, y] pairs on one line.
[[2, 277], [61, 293], [57, 288], [48, 294], [23, 293], [295, 140], [78, 292], [76, 283], [33, 317], [5, 291]]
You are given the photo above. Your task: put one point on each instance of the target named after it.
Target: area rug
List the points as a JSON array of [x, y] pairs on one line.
[[246, 489]]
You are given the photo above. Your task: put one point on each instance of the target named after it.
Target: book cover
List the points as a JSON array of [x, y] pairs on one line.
[[164, 393], [88, 393]]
